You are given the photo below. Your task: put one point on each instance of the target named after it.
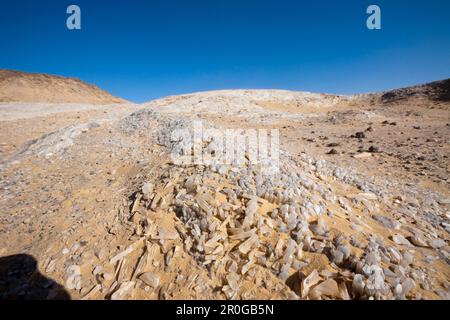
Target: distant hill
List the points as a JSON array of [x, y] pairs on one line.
[[18, 86], [437, 90]]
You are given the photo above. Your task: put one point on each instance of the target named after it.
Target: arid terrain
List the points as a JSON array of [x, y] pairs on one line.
[[18, 86], [93, 207]]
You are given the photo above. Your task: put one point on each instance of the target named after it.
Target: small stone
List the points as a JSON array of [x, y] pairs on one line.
[[387, 222], [368, 195], [345, 250], [407, 286], [333, 144], [399, 239], [358, 284], [312, 279], [150, 279], [147, 189], [167, 234], [333, 151], [398, 289], [419, 241], [437, 243], [327, 288], [319, 227], [395, 255], [444, 294], [247, 245], [108, 276], [73, 281], [343, 291], [373, 149], [101, 254], [360, 135], [408, 258], [123, 290], [97, 270], [338, 256]]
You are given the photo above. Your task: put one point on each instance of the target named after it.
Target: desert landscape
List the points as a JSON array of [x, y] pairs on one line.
[[93, 207]]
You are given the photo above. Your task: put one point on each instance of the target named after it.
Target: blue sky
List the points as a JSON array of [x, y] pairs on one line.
[[140, 50]]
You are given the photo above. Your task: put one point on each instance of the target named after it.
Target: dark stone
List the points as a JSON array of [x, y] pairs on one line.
[[333, 144], [360, 135], [333, 151], [373, 149]]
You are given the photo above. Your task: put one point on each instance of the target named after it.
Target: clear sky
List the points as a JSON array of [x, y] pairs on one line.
[[140, 50]]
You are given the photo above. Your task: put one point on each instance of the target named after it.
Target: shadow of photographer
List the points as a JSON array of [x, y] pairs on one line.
[[20, 279]]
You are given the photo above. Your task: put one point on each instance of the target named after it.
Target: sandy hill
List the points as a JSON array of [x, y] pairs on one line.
[[18, 86]]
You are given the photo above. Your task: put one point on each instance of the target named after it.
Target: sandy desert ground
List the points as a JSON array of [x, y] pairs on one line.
[[360, 208]]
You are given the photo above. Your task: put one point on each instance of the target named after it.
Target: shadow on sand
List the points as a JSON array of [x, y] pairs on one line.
[[20, 279]]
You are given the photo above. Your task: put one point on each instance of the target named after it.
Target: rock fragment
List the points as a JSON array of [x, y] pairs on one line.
[[312, 279], [327, 288], [419, 241], [123, 291], [399, 239], [151, 279]]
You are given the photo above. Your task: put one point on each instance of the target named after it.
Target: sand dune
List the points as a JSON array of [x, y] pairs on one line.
[[18, 86]]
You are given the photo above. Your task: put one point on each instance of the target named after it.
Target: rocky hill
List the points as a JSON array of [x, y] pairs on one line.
[[438, 91]]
